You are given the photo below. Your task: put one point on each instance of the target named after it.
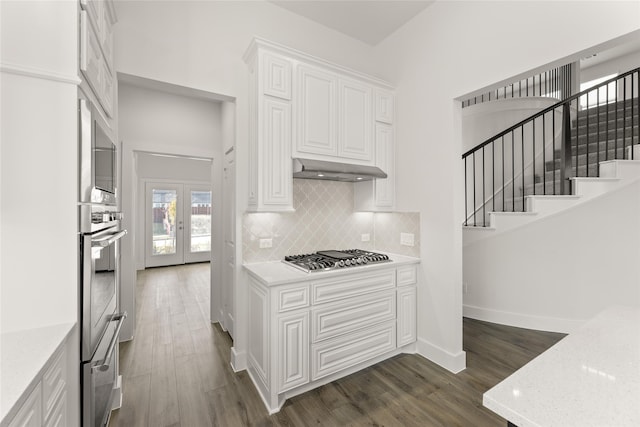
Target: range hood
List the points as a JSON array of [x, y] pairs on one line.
[[334, 171]]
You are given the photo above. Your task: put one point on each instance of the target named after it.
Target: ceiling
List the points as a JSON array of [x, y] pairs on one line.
[[365, 20]]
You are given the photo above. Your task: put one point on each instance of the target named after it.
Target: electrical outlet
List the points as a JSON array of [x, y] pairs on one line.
[[465, 288], [266, 243], [407, 239], [366, 237]]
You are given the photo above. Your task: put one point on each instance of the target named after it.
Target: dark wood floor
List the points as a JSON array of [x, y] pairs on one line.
[[176, 372]]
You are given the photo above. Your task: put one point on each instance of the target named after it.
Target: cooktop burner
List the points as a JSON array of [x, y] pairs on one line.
[[334, 259]]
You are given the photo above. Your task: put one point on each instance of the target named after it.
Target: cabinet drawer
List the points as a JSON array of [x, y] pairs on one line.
[[347, 316], [30, 414], [344, 287], [292, 298], [330, 356], [58, 417], [407, 275], [53, 382]]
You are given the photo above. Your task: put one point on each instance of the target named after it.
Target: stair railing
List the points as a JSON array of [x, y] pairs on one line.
[[540, 154]]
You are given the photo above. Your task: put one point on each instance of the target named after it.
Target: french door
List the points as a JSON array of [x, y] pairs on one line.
[[177, 224]]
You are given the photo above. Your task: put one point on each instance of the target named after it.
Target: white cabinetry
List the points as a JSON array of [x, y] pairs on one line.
[[303, 333], [96, 50], [355, 121], [270, 127], [316, 112], [46, 404], [406, 299], [303, 107], [379, 194]]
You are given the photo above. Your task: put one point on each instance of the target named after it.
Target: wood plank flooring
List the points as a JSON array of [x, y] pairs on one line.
[[176, 372]]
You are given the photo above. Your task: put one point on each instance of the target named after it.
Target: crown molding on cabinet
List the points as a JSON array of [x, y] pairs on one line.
[[294, 54]]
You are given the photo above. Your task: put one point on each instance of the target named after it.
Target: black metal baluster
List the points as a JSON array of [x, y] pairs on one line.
[[493, 176], [565, 153], [533, 123], [522, 155], [587, 135], [577, 134], [624, 116], [513, 174], [484, 185], [473, 158], [606, 142], [466, 184], [615, 139], [544, 157], [503, 183], [632, 118], [598, 132], [553, 135]]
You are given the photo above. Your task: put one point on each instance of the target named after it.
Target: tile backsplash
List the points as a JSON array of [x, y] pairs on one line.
[[324, 219]]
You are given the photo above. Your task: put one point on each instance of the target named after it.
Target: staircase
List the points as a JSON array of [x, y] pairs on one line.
[[601, 152]]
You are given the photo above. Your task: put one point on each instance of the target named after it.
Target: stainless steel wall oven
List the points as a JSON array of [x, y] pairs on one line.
[[99, 241]]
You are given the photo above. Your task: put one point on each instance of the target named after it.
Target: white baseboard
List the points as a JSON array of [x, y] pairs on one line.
[[519, 320], [238, 360], [452, 362]]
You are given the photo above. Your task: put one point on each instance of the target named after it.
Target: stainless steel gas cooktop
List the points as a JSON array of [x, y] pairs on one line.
[[334, 259]]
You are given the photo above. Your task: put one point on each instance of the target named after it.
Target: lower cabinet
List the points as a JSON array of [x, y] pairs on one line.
[[293, 350], [47, 402], [302, 334]]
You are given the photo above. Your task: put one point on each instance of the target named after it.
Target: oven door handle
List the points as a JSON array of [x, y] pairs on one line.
[[103, 365], [103, 243]]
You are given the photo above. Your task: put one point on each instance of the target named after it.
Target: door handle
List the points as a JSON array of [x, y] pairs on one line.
[[103, 243], [103, 365]]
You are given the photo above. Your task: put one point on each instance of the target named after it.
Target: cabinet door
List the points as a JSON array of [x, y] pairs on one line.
[[277, 76], [384, 104], [355, 121], [276, 178], [91, 62], [30, 414], [385, 152], [316, 113], [293, 351], [259, 332], [406, 313], [108, 89]]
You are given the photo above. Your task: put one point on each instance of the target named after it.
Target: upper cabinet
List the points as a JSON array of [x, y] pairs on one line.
[[303, 107], [355, 121], [316, 112], [270, 129], [96, 50], [334, 117], [384, 104]]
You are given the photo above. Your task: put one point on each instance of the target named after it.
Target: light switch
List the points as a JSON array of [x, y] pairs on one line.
[[366, 237]]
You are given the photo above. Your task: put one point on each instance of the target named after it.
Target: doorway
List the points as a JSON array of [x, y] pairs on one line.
[[177, 223]]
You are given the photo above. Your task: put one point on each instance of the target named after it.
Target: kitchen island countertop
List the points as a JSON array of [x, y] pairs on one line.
[[589, 378], [271, 273]]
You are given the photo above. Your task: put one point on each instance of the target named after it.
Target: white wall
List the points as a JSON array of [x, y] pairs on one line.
[[38, 195], [561, 270], [159, 122], [449, 50], [200, 45]]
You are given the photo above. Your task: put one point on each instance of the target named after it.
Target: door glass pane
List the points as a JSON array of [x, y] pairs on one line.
[[164, 221], [200, 221]]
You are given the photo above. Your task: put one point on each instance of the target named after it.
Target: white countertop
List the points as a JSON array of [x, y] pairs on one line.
[[589, 378], [273, 273], [23, 355]]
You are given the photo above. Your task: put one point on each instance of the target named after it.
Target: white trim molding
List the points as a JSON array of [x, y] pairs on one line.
[[519, 320], [452, 362], [238, 360], [39, 73]]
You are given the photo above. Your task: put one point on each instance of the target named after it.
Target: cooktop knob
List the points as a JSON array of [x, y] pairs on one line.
[[340, 263]]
